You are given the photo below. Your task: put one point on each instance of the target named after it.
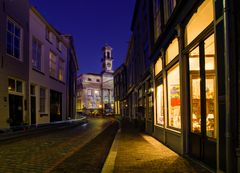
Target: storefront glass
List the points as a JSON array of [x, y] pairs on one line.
[[173, 85], [160, 111], [199, 20], [195, 91], [210, 87], [172, 51], [158, 66]]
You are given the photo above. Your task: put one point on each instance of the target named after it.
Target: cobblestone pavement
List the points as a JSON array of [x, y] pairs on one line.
[[140, 153], [92, 156], [45, 152]]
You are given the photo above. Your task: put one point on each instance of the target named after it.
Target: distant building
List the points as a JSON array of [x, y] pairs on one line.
[[120, 91], [95, 91]]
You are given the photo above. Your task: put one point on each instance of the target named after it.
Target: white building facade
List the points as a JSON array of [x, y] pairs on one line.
[[95, 91]]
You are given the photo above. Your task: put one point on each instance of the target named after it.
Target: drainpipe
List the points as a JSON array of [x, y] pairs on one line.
[[227, 36]]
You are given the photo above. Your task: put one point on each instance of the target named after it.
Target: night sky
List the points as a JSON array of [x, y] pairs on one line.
[[92, 24]]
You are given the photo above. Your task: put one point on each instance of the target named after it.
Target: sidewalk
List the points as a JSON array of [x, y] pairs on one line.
[[136, 152]]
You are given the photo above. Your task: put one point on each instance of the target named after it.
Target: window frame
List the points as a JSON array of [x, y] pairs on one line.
[[15, 24], [42, 98], [41, 55]]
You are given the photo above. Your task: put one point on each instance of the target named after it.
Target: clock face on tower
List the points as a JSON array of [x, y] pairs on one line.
[[109, 65]]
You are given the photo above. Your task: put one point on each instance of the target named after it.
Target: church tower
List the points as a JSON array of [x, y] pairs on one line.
[[107, 59]]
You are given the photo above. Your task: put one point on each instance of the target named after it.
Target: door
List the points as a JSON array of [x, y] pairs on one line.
[[55, 106], [15, 110], [33, 110], [203, 117]]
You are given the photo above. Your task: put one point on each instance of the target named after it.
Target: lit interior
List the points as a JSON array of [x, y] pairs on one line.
[[158, 66], [172, 51], [200, 20]]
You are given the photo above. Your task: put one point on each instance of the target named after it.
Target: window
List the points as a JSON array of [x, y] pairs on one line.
[[172, 51], [98, 80], [36, 54], [195, 90], [59, 45], [32, 90], [203, 97], [169, 6], [52, 65], [160, 110], [42, 99], [19, 87], [89, 79], [11, 84], [14, 41], [199, 20], [173, 86], [96, 92], [157, 19], [158, 66], [49, 36], [15, 85], [61, 69], [89, 92]]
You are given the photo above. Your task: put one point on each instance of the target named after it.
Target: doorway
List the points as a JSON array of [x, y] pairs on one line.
[[203, 115], [15, 110], [55, 106], [33, 110]]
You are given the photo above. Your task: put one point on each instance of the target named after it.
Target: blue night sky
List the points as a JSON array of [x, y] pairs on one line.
[[92, 23]]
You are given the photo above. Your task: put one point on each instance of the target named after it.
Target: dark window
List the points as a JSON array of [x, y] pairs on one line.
[[13, 39]]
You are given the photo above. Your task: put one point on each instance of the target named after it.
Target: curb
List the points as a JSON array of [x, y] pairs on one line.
[[109, 164], [38, 129]]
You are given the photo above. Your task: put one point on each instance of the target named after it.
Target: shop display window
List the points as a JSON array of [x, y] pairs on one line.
[[173, 86], [158, 66], [160, 110], [200, 20], [210, 87], [195, 91], [172, 51]]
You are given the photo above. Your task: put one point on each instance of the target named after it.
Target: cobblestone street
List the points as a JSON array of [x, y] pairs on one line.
[[45, 152]]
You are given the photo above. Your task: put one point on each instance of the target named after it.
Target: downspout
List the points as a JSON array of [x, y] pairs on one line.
[[227, 44]]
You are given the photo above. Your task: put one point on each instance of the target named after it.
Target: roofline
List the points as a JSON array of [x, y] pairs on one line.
[[135, 13], [49, 26]]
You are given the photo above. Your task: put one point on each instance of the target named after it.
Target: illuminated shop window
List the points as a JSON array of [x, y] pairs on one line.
[[199, 20], [195, 91], [158, 66], [160, 110], [172, 51], [173, 86], [210, 87]]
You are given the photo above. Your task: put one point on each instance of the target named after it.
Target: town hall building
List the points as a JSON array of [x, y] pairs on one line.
[[95, 91]]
